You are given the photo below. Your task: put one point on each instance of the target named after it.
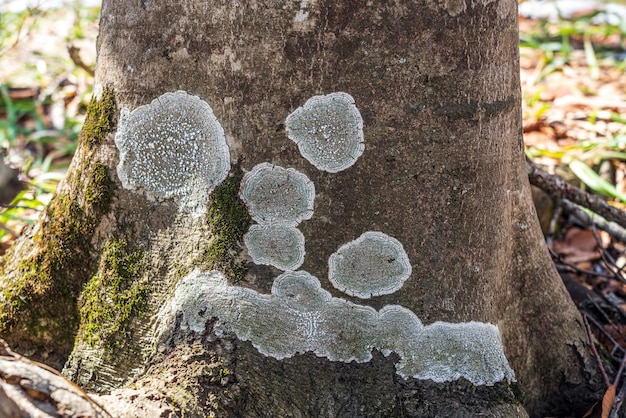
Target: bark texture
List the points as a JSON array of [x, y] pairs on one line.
[[437, 85]]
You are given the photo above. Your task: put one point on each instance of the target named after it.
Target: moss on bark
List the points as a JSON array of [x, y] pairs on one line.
[[123, 294], [100, 118], [39, 291], [113, 296], [228, 220]]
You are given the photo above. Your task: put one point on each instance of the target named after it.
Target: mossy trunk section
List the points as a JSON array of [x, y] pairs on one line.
[[42, 275], [437, 86], [137, 275]]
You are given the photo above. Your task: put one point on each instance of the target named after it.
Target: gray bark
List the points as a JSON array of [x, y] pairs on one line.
[[437, 86]]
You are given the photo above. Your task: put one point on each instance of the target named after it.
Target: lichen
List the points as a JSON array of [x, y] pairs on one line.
[[113, 296], [274, 194], [299, 316], [328, 130], [275, 245], [444, 352], [374, 264], [306, 17], [173, 147]]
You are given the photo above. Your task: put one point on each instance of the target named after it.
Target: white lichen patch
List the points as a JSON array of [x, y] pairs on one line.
[[306, 16], [446, 352], [328, 130], [299, 316], [173, 147], [277, 195], [275, 245], [372, 265]]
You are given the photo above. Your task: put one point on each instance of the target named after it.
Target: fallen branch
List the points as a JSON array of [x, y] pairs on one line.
[[30, 389], [591, 219], [558, 259], [603, 407], [595, 352], [608, 259], [78, 61], [557, 188]]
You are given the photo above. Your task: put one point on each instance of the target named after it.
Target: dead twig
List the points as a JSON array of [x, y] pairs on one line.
[[608, 260], [616, 303], [557, 188], [608, 336], [594, 220], [619, 372], [557, 258], [595, 352], [78, 61], [609, 402], [620, 400]]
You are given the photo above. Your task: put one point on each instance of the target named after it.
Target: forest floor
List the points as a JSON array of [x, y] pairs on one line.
[[574, 109]]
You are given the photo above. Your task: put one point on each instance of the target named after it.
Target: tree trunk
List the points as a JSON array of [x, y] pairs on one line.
[[147, 278]]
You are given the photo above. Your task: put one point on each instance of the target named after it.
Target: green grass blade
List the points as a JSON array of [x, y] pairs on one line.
[[590, 56], [594, 181]]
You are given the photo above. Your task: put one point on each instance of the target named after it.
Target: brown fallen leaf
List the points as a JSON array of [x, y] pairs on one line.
[[602, 409], [578, 246]]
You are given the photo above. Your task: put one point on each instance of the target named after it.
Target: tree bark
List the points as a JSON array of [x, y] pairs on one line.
[[436, 84]]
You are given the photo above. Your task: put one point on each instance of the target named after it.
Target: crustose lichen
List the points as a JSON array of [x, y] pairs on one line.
[[374, 264], [276, 245], [328, 130], [278, 195], [299, 316], [173, 147]]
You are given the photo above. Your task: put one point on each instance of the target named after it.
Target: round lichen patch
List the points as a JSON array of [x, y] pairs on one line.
[[328, 130], [275, 245], [277, 195], [374, 264], [173, 147]]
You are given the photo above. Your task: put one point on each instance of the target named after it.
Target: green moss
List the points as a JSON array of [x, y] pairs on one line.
[[99, 118], [102, 191], [39, 303], [229, 220], [114, 296]]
